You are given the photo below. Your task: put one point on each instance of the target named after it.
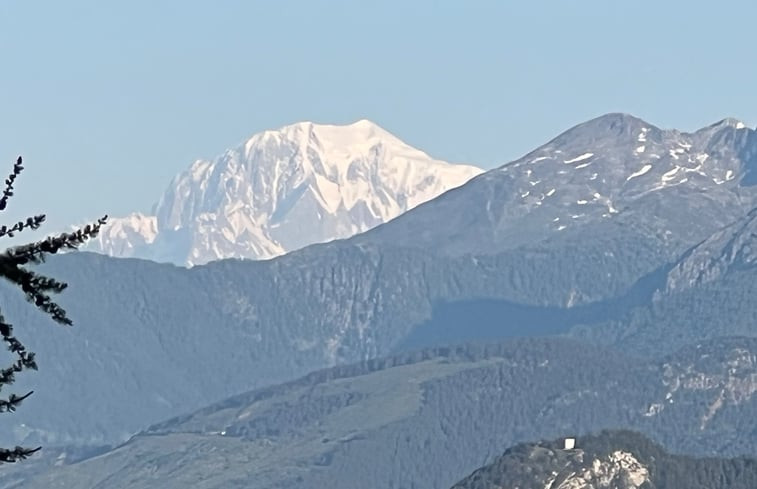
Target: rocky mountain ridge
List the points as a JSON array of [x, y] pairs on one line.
[[615, 169], [619, 459]]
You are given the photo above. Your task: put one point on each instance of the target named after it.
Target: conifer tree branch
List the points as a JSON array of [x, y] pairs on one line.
[[33, 222], [24, 358], [35, 252], [12, 402], [8, 191], [18, 453], [36, 288]]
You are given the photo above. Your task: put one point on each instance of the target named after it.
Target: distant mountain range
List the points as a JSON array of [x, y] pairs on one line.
[[609, 460], [426, 419], [480, 262], [280, 191]]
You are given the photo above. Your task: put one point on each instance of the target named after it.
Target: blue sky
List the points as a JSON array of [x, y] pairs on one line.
[[108, 100]]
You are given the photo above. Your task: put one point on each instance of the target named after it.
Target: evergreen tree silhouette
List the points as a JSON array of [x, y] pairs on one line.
[[37, 289]]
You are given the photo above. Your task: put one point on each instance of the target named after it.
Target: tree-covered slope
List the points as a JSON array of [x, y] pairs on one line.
[[708, 292], [425, 419], [163, 335]]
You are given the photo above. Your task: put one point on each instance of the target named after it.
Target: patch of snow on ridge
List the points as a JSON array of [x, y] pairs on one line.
[[670, 175], [582, 157], [639, 173]]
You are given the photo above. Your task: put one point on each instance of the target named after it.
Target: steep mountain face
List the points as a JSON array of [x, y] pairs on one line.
[[281, 191], [668, 187], [424, 419], [732, 249], [707, 292], [609, 460]]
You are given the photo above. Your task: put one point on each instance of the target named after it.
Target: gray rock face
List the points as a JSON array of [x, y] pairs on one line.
[[671, 187]]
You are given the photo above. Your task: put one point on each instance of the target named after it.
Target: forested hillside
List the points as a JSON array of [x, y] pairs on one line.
[[425, 419]]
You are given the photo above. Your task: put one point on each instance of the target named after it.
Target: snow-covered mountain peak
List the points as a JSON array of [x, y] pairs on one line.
[[340, 135], [123, 235], [339, 143], [284, 189]]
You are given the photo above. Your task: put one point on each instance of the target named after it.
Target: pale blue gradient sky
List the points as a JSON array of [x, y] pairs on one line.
[[108, 100]]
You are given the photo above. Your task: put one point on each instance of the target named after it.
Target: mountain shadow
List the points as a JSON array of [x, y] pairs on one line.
[[484, 320]]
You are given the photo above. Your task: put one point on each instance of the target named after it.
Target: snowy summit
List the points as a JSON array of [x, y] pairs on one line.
[[280, 191]]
